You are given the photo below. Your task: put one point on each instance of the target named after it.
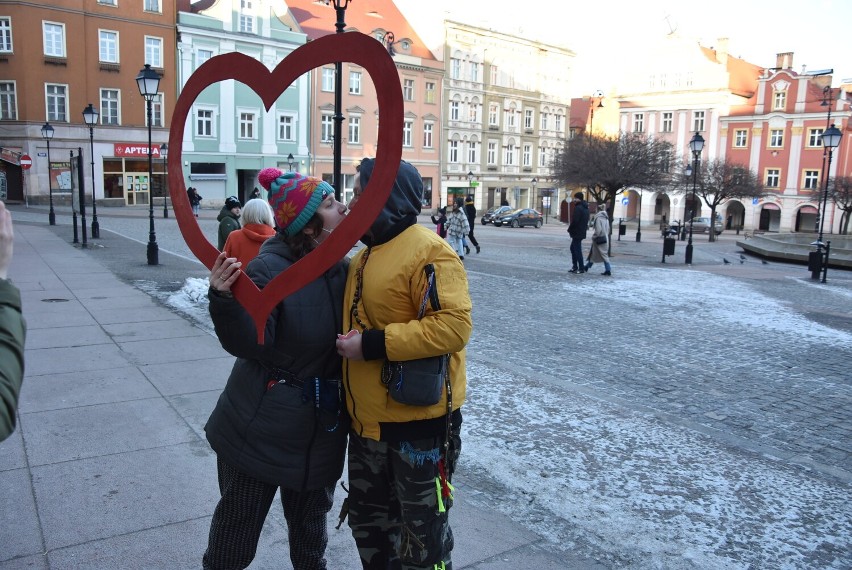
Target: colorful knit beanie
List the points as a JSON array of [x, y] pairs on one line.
[[294, 198]]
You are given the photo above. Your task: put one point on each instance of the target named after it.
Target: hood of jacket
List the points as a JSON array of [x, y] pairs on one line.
[[402, 206], [258, 232]]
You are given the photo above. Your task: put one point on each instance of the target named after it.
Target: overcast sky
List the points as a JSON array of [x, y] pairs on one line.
[[600, 34]]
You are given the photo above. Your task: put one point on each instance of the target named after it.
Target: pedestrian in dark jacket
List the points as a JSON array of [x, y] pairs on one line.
[[577, 230], [279, 425], [441, 222], [13, 331], [470, 211], [194, 199], [229, 219]]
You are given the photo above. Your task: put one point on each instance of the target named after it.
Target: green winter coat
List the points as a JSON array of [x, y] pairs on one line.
[[13, 331], [228, 222]]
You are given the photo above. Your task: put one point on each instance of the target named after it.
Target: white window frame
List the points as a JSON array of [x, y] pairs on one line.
[[526, 160], [407, 131], [157, 110], [815, 137], [776, 138], [408, 89], [247, 17], [667, 122], [208, 121], [509, 156], [455, 68], [110, 107], [327, 128], [354, 82], [202, 55], [493, 115], [154, 6], [779, 100], [698, 121], [327, 79], [354, 129], [108, 49], [54, 113], [154, 51], [430, 92], [773, 175], [428, 134], [810, 179], [286, 127], [6, 45], [8, 101], [740, 138], [474, 71], [53, 33], [638, 122], [491, 155], [558, 121], [545, 118], [247, 124], [542, 156], [510, 119], [473, 152], [454, 110], [529, 119], [453, 152]]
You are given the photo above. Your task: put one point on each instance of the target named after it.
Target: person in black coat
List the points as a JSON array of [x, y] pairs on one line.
[[279, 425], [470, 212], [440, 222], [577, 230]]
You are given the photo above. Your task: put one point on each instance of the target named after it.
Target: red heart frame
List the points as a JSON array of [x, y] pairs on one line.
[[358, 48]]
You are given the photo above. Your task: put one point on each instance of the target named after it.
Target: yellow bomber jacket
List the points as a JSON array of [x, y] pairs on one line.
[[393, 286]]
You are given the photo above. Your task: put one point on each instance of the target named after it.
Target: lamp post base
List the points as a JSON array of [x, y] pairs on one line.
[[96, 228], [51, 217], [638, 235], [688, 256], [153, 253]]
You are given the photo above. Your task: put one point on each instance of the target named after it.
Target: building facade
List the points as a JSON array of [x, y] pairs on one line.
[[55, 60]]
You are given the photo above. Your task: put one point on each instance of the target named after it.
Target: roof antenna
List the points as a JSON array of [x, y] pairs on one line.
[[672, 28]]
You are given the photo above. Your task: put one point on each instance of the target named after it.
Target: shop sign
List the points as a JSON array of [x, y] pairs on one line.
[[131, 150]]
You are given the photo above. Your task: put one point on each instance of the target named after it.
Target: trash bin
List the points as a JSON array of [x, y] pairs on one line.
[[622, 228], [669, 246], [815, 263]]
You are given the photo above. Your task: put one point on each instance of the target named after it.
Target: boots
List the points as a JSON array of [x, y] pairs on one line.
[[467, 250], [477, 249]]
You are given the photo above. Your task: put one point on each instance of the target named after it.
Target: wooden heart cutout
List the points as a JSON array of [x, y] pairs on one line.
[[354, 47]]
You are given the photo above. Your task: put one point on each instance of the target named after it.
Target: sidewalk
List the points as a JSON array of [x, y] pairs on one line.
[[109, 467]]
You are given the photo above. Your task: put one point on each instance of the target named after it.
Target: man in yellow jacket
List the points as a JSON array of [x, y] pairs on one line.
[[401, 457]]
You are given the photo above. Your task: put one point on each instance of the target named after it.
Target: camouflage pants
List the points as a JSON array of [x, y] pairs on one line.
[[395, 514]]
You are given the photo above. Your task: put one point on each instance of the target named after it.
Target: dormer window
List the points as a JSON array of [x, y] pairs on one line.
[[779, 101]]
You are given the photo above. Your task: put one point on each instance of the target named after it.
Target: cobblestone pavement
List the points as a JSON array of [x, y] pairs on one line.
[[667, 417]]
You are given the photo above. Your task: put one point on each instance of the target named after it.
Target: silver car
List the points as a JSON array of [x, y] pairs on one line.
[[702, 225]]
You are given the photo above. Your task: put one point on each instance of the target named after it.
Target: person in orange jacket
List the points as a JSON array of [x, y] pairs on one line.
[[258, 226]]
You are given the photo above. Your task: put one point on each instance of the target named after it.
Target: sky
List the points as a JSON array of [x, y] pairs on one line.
[[600, 34]]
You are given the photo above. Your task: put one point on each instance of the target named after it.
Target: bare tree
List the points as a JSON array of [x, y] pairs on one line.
[[608, 166], [718, 181], [840, 193]]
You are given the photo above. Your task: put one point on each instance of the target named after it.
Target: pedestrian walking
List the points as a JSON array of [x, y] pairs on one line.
[[470, 212], [257, 226], [402, 457], [13, 331], [279, 425], [194, 199], [600, 241], [577, 230], [229, 219], [457, 227], [254, 194], [440, 222]]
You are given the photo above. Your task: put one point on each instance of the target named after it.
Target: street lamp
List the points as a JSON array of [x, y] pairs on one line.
[[599, 96], [47, 134], [639, 218], [826, 102], [148, 82], [164, 153], [696, 144], [90, 116], [290, 161], [533, 182], [830, 141], [339, 7]]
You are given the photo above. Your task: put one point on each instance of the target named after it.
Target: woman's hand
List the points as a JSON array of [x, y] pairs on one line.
[[225, 272], [349, 345]]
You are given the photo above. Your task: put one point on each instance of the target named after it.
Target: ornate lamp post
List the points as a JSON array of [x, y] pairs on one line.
[[47, 134], [90, 115], [149, 81], [599, 96], [164, 153], [639, 218], [830, 141], [290, 161], [696, 144], [339, 7]]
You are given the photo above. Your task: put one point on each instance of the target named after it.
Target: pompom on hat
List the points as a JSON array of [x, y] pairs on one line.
[[294, 197]]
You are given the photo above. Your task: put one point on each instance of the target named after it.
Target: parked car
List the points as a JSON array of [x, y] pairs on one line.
[[518, 218], [493, 213], [702, 225]]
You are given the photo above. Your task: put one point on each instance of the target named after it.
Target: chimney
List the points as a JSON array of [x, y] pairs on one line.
[[722, 51], [784, 60]]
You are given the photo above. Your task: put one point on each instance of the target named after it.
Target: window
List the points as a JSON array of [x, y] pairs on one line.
[[428, 131], [527, 157], [510, 155], [528, 119], [542, 156], [474, 71], [286, 130], [811, 179], [154, 51], [8, 101], [108, 45], [109, 107], [108, 2], [740, 138], [246, 17], [152, 6], [204, 123], [815, 137], [355, 130], [327, 128], [667, 122], [354, 82], [510, 119], [558, 123], [492, 152], [407, 127], [773, 178], [544, 119], [5, 34], [57, 102], [328, 79], [54, 39], [430, 92], [495, 74], [453, 154], [776, 138], [639, 122], [698, 121], [247, 125], [779, 100], [455, 68], [157, 111], [493, 111], [408, 89], [473, 113], [454, 110], [473, 152], [202, 55]]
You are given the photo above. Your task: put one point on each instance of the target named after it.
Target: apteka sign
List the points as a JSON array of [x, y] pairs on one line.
[[135, 149]]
